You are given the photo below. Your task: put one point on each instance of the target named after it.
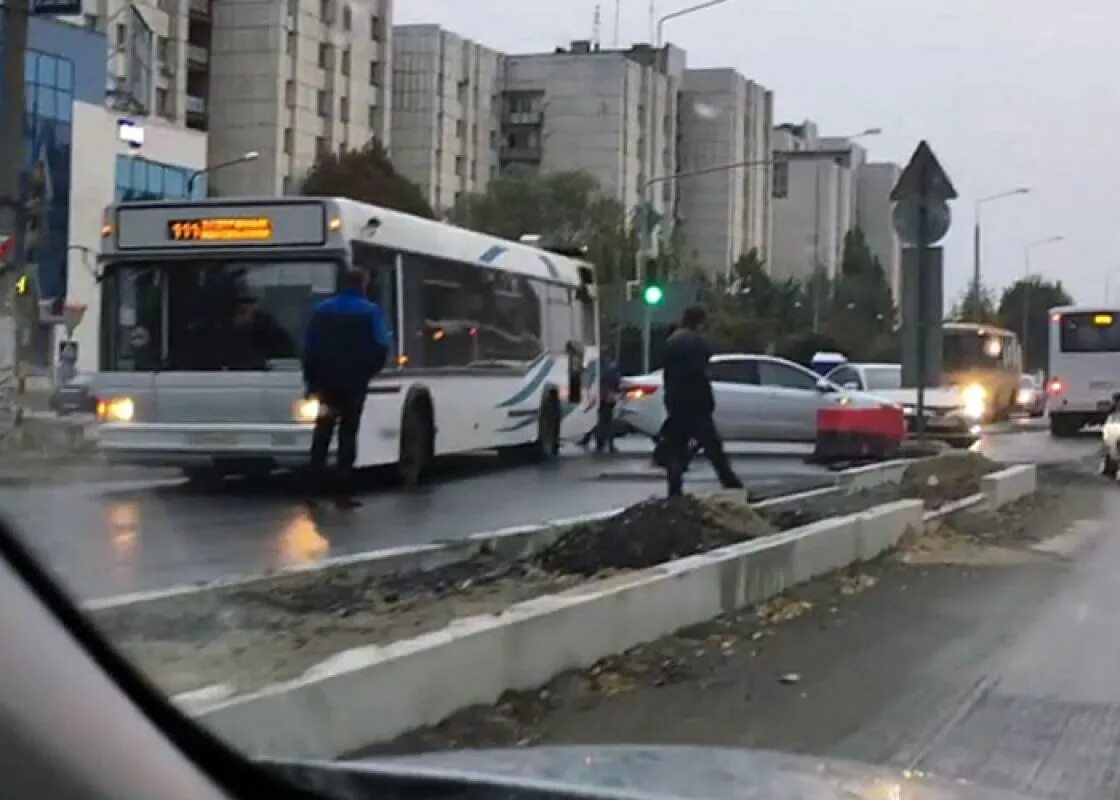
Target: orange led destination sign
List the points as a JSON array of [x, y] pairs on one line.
[[220, 229]]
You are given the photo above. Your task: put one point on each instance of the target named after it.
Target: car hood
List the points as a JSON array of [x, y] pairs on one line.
[[640, 773], [935, 398]]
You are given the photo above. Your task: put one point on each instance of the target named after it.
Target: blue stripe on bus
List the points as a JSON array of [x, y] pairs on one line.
[[526, 391], [491, 255]]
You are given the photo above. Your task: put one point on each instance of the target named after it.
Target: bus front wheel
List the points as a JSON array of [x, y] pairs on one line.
[[416, 445]]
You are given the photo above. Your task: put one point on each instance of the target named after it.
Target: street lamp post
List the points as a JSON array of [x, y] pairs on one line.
[[1031, 247], [645, 197], [252, 155], [647, 321], [976, 231]]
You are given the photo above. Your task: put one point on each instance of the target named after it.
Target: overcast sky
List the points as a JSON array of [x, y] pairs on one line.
[[1008, 93]]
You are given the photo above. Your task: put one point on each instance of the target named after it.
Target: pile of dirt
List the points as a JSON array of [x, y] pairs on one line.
[[653, 532], [948, 477]]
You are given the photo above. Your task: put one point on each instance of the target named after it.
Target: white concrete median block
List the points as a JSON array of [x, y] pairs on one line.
[[861, 479], [1009, 485]]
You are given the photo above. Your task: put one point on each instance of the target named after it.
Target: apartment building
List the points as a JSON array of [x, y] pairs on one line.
[[824, 188], [446, 112], [725, 119], [582, 108], [291, 79]]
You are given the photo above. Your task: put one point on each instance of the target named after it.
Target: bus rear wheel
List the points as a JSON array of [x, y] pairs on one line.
[[416, 445]]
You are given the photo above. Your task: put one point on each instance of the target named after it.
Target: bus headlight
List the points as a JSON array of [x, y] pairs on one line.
[[975, 399], [307, 409], [116, 409]]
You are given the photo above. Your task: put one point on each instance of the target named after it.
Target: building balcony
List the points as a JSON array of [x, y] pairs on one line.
[[197, 56], [199, 9], [195, 109], [524, 117]]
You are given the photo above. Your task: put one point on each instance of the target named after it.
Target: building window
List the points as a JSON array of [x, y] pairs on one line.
[[162, 50], [375, 28], [326, 11], [291, 46], [49, 82], [293, 9], [374, 73], [320, 146], [122, 35], [346, 61], [288, 141], [344, 109], [324, 103], [163, 106], [347, 18], [373, 117], [290, 94], [90, 21], [324, 56], [140, 179]]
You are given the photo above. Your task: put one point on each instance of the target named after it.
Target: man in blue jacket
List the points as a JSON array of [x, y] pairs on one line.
[[346, 344]]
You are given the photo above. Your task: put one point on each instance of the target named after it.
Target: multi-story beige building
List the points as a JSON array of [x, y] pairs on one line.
[[291, 79], [587, 109], [725, 119], [875, 216], [446, 104]]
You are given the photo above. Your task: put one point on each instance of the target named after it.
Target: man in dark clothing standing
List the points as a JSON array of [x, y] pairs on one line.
[[346, 344], [690, 404]]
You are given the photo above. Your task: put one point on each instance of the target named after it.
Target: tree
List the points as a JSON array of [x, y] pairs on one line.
[[862, 308], [1035, 297], [564, 208], [368, 176], [976, 304]]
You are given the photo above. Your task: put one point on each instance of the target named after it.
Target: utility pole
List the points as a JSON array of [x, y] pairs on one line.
[[12, 328]]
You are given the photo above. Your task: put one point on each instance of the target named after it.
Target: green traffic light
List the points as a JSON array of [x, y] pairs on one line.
[[653, 295]]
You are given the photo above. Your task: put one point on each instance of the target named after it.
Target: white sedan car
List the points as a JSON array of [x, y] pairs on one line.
[[758, 398]]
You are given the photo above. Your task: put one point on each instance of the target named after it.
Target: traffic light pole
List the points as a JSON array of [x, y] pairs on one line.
[[639, 272]]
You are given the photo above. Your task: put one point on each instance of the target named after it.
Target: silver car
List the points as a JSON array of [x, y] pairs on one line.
[[758, 398]]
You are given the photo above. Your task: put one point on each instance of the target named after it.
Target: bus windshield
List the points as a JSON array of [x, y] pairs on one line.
[[1090, 332], [210, 315], [965, 350]]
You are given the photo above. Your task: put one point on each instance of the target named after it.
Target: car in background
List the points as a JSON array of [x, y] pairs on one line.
[[75, 397], [758, 398], [952, 415], [1032, 396], [1110, 438]]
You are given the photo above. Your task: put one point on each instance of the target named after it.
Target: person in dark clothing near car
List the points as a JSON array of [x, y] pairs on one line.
[[690, 404], [610, 386], [346, 345]]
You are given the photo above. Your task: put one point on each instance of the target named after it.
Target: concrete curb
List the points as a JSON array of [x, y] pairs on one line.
[[375, 693], [1009, 485], [512, 542]]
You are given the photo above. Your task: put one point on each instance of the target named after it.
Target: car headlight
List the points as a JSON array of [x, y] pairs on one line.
[[307, 409], [1026, 397], [975, 399], [116, 409]]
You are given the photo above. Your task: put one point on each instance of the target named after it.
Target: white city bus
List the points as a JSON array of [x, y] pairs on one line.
[[204, 306], [1084, 366]]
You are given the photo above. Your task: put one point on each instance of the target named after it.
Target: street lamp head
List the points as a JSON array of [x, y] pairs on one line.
[[872, 132], [252, 155]]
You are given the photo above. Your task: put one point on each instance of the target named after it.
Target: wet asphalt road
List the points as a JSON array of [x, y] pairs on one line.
[[108, 538]]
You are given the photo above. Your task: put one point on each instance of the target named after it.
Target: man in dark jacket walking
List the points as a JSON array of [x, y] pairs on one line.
[[690, 404], [346, 344]]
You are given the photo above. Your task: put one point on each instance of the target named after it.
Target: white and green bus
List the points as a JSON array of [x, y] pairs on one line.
[[204, 306]]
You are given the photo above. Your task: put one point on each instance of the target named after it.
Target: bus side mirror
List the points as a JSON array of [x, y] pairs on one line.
[[575, 371]]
